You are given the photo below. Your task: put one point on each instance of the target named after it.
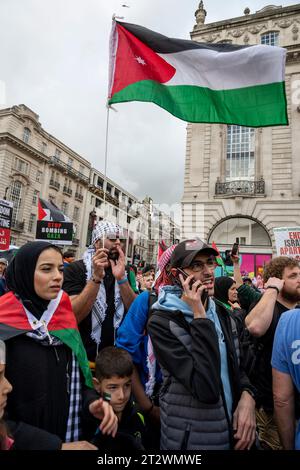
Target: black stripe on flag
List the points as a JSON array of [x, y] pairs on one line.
[[164, 45]]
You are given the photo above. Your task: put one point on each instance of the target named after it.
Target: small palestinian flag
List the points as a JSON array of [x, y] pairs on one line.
[[50, 212], [213, 83], [63, 325]]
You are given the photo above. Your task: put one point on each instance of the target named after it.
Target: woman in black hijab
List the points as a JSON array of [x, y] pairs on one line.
[[20, 276], [46, 360]]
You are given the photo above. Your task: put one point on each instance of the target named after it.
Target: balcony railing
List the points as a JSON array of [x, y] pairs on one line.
[[240, 188], [18, 226], [67, 191], [68, 169], [79, 197], [54, 184]]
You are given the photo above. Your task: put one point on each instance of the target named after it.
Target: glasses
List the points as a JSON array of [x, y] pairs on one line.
[[198, 266]]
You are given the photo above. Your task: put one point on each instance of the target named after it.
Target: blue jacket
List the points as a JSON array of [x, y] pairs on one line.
[[132, 336]]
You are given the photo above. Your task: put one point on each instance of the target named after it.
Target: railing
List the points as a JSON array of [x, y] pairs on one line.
[[68, 169], [67, 191], [54, 184], [79, 197], [243, 188], [18, 226]]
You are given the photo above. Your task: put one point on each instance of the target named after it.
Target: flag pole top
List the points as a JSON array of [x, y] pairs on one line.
[[200, 14]]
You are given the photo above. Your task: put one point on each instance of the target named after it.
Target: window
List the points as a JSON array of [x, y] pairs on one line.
[[76, 213], [81, 169], [98, 202], [57, 153], [31, 223], [271, 38], [108, 188], [16, 190], [115, 212], [64, 207], [26, 135], [21, 166], [35, 196], [240, 153], [39, 176], [44, 148], [100, 182], [117, 193], [70, 161]]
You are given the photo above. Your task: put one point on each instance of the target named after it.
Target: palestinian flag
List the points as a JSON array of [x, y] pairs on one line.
[[50, 212], [213, 83], [63, 325]]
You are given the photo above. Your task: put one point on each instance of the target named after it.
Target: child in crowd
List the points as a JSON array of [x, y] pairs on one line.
[[113, 373]]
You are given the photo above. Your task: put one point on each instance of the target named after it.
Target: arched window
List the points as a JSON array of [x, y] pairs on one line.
[[271, 38], [15, 195], [26, 135], [242, 230], [240, 153]]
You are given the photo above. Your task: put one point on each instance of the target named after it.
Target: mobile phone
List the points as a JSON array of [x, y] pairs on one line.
[[185, 276], [235, 249], [114, 255]]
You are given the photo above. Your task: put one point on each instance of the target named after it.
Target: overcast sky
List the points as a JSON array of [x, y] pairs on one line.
[[54, 59]]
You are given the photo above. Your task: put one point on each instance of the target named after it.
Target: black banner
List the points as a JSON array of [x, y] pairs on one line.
[[59, 233], [6, 208]]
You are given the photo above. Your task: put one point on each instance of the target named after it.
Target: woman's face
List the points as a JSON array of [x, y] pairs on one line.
[[232, 293], [48, 274], [5, 389]]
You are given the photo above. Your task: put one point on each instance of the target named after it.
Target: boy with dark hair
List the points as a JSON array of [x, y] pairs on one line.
[[113, 373]]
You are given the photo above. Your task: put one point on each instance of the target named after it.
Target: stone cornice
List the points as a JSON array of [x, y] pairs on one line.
[[6, 137], [279, 16]]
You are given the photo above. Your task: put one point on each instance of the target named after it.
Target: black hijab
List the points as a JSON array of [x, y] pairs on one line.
[[222, 285], [20, 276]]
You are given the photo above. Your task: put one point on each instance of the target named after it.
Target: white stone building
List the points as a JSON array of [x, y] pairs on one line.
[[242, 182]]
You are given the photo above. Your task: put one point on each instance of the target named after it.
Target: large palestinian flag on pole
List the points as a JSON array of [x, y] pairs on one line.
[[213, 83]]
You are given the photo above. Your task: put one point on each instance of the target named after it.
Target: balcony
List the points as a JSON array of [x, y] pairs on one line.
[[18, 226], [54, 184], [78, 197], [240, 188], [68, 169], [67, 191]]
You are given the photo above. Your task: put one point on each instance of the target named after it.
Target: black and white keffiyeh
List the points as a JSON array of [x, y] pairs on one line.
[[100, 305], [107, 229], [73, 432]]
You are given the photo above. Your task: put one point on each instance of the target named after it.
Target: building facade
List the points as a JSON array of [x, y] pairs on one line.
[[35, 164], [241, 182]]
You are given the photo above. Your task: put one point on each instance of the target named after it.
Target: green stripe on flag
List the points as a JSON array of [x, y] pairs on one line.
[[72, 338], [255, 106]]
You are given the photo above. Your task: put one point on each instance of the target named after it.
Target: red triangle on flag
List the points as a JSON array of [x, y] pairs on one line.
[[41, 213], [135, 62]]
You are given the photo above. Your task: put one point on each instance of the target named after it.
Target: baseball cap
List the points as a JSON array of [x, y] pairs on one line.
[[4, 261], [186, 251]]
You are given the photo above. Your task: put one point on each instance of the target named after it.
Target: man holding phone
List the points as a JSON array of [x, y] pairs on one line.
[[99, 289], [205, 400]]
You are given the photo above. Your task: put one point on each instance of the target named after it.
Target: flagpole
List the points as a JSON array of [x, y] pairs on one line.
[[105, 166]]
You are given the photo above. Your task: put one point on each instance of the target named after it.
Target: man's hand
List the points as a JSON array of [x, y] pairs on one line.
[[100, 262], [79, 445], [192, 295], [118, 266], [103, 411], [274, 282], [244, 423], [235, 259]]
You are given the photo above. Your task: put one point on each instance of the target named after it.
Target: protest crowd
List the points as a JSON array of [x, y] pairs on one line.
[[97, 355]]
